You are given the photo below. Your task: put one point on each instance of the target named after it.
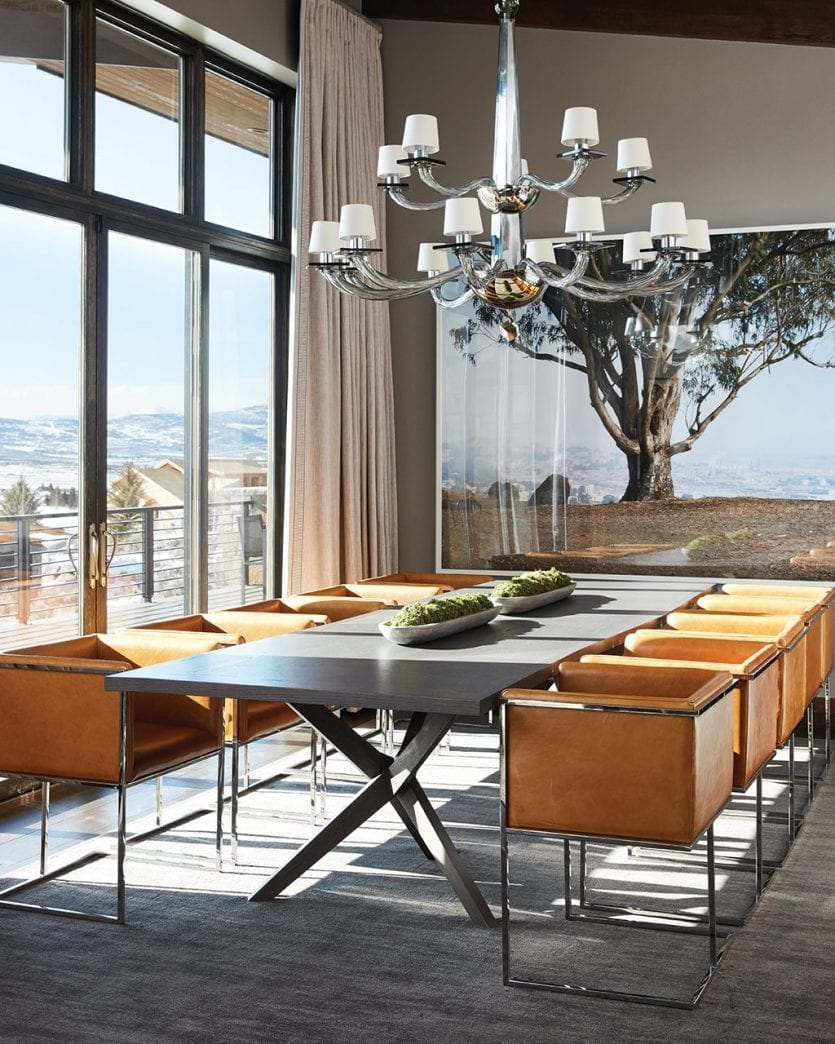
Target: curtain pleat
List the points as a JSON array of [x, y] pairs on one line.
[[341, 521]]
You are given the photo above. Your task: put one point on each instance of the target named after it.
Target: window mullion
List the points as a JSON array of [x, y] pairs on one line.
[[192, 106], [81, 79]]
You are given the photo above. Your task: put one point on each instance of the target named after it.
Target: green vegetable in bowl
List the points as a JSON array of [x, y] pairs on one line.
[[439, 609], [534, 583]]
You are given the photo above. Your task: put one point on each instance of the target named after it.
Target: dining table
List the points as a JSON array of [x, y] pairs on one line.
[[351, 664]]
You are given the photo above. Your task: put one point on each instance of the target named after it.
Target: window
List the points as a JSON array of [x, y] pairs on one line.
[[32, 86], [238, 150], [137, 119], [144, 256]]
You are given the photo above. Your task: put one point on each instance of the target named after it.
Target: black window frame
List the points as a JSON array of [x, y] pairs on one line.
[[98, 212]]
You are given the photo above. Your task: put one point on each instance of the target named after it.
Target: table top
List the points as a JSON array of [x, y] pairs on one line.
[[350, 663]]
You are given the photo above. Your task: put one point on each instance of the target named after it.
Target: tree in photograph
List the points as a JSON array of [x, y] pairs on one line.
[[766, 297], [126, 491], [19, 499]]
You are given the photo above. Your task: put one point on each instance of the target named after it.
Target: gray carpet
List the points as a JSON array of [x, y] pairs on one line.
[[374, 946]]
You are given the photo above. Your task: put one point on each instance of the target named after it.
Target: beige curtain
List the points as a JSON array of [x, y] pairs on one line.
[[341, 508]]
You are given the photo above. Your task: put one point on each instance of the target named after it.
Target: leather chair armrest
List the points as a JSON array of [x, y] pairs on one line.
[[748, 605], [334, 607], [738, 655], [252, 626], [624, 678], [717, 683], [396, 594]]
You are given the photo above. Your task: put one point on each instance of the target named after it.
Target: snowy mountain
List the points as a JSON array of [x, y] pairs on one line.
[[43, 447]]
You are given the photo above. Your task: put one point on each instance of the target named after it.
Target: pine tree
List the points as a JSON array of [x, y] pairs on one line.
[[126, 491], [19, 499]]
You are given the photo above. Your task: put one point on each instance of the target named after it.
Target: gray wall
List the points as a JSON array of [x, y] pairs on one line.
[[743, 133], [266, 27]]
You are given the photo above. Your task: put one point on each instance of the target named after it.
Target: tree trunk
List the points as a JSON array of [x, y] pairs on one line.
[[650, 476], [650, 469]]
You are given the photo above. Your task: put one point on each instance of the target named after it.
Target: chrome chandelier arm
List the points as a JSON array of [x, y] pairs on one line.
[[579, 168], [396, 194], [659, 272], [625, 193], [558, 277], [474, 277], [613, 292], [628, 190], [455, 302], [349, 281], [374, 277], [428, 178]]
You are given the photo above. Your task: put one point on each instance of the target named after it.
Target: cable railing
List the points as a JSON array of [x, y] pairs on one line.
[[40, 559]]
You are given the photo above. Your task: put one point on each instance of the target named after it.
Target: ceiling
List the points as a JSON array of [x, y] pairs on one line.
[[806, 22]]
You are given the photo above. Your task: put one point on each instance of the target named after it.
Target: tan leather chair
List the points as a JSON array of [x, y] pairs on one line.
[[447, 581], [387, 593], [755, 667], [274, 605], [824, 597], [788, 633], [625, 753], [335, 607], [811, 612], [249, 720], [60, 724]]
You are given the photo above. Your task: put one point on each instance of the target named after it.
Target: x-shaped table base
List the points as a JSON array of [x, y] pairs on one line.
[[390, 780]]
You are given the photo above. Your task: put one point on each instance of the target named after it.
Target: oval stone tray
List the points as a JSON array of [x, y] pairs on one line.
[[417, 634], [527, 603]]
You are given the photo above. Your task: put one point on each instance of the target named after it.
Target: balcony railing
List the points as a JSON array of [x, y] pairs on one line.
[[40, 565]]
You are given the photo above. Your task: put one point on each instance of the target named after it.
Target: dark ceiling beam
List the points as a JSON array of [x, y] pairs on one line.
[[803, 22]]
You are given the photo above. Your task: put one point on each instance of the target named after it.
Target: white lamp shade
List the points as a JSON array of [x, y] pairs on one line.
[[462, 217], [421, 131], [324, 237], [637, 246], [585, 214], [633, 154], [540, 250], [668, 219], [430, 259], [698, 236], [356, 221], [580, 124], [387, 164]]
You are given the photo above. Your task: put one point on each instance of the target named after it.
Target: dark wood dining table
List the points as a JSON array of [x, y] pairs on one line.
[[350, 663]]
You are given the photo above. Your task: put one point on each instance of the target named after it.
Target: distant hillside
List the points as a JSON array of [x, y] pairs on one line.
[[144, 438]]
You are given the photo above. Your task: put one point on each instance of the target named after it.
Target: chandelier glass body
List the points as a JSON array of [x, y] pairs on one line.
[[508, 272]]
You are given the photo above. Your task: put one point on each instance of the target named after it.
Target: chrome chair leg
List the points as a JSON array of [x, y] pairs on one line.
[[233, 803], [44, 826], [711, 899], [221, 777], [758, 837], [159, 801], [810, 739], [791, 790], [121, 847]]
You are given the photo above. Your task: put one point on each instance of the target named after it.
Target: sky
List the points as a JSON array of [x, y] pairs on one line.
[[783, 413], [40, 261]]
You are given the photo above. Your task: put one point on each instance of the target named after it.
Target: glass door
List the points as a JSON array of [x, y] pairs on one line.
[[149, 337], [241, 333], [40, 461]]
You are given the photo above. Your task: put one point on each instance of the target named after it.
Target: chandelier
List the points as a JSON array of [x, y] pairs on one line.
[[509, 272]]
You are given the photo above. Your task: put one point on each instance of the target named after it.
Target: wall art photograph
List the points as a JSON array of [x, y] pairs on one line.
[[692, 433]]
